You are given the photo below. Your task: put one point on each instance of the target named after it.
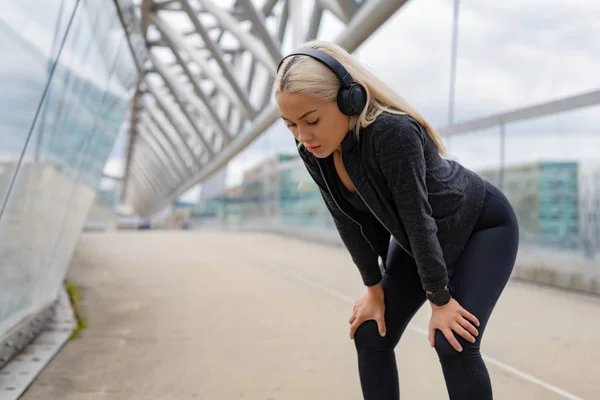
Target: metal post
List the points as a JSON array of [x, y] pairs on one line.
[[453, 65], [502, 156]]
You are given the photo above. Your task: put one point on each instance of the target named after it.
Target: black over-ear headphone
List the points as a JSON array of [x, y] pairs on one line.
[[352, 96]]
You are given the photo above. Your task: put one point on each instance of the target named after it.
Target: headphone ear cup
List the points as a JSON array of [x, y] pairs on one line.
[[352, 100], [342, 101], [358, 97]]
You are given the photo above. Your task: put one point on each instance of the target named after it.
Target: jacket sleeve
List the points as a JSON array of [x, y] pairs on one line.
[[363, 255], [400, 156]]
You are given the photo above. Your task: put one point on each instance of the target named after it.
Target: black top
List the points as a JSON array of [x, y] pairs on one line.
[[353, 198]]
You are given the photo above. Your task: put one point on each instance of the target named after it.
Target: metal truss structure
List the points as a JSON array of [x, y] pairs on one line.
[[206, 81]]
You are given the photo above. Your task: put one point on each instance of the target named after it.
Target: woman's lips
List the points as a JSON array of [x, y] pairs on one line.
[[313, 148]]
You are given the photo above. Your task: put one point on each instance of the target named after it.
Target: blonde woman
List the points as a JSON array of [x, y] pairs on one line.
[[418, 227]]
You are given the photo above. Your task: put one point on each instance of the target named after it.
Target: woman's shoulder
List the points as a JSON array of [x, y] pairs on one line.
[[392, 126]]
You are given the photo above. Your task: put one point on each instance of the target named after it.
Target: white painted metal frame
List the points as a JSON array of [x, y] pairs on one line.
[[537, 110]]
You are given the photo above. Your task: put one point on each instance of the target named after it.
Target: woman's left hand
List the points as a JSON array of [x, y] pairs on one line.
[[452, 317]]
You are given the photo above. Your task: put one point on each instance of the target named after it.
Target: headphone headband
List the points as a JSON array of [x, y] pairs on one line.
[[351, 96], [324, 58]]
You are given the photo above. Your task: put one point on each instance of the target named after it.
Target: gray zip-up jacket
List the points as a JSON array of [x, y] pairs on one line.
[[427, 203]]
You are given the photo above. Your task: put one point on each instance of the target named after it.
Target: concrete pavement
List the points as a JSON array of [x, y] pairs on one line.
[[184, 315]]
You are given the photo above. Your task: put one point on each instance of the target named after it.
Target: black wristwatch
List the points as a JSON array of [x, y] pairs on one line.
[[440, 297]]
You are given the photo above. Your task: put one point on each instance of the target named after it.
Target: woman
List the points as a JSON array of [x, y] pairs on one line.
[[418, 227]]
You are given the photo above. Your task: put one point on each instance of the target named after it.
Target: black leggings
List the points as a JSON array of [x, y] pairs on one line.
[[478, 278]]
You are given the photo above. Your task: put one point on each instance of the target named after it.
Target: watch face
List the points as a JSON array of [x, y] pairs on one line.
[[441, 297]]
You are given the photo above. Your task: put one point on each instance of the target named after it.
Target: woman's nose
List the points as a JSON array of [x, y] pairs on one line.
[[303, 134]]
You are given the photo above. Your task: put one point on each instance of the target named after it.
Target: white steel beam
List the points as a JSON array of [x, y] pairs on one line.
[[178, 143], [220, 82], [334, 7], [203, 105], [538, 110], [258, 23], [348, 7], [252, 44], [170, 116], [166, 143], [181, 97]]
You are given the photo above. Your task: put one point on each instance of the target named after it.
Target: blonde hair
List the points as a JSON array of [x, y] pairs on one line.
[[304, 75]]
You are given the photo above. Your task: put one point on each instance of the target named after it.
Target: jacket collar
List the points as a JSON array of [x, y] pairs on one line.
[[349, 141]]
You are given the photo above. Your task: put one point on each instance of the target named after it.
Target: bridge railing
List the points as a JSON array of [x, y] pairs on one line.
[[66, 91]]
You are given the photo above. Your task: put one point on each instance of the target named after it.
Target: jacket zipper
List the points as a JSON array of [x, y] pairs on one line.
[[340, 208], [369, 207]]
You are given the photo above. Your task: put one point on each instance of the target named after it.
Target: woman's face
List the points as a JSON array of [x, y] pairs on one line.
[[316, 123]]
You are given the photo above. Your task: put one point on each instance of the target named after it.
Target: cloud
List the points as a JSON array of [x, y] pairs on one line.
[[508, 61], [505, 60]]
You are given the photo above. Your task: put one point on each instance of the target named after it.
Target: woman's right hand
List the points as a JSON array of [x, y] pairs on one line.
[[369, 306]]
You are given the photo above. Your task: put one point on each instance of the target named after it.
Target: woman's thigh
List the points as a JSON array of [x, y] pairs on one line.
[[485, 265], [403, 296], [403, 291]]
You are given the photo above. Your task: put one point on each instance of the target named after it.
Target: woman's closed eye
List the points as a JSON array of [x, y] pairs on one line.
[[315, 122]]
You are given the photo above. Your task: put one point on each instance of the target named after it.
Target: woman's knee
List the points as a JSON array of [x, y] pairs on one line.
[[367, 337], [445, 350]]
